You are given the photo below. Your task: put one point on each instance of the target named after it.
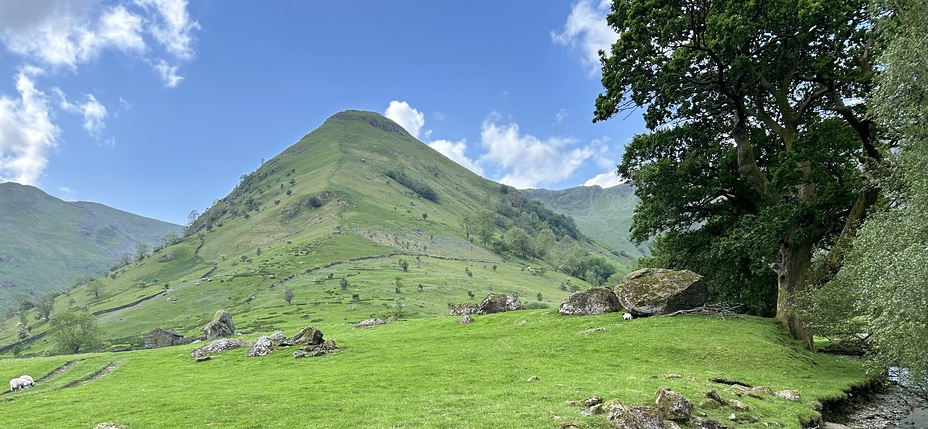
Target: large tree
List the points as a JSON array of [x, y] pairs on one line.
[[75, 331], [757, 96], [887, 269]]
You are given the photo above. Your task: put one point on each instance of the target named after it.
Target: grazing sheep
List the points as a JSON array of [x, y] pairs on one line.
[[18, 384], [27, 378], [627, 316]]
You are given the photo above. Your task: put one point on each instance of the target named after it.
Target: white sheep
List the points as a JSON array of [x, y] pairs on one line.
[[18, 384], [29, 379], [627, 316]]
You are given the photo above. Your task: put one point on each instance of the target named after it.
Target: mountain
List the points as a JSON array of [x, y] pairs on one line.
[[46, 244], [602, 213], [358, 219]]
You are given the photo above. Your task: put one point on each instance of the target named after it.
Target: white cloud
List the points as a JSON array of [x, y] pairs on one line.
[[59, 33], [455, 151], [93, 111], [529, 160], [605, 180], [27, 132], [438, 115], [586, 28], [168, 73], [174, 28], [560, 116], [407, 117]]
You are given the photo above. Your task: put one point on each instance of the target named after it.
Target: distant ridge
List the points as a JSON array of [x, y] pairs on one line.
[[604, 213], [46, 244]]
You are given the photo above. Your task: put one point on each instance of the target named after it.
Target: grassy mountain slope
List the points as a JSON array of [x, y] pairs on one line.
[[602, 213], [46, 243], [323, 210]]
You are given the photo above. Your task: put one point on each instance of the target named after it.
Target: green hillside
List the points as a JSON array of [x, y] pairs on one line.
[[46, 243], [602, 213], [359, 220], [334, 218]]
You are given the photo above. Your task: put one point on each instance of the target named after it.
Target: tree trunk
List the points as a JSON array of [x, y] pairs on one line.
[[794, 259]]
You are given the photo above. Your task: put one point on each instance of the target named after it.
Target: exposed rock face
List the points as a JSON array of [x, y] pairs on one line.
[[278, 337], [636, 418], [326, 348], [673, 406], [163, 338], [261, 347], [370, 323], [308, 336], [220, 327], [595, 300], [463, 309], [789, 395], [217, 346], [657, 291], [498, 303]]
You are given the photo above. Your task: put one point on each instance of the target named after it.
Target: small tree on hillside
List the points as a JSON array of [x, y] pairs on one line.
[[404, 264], [288, 295], [46, 304], [169, 239], [95, 289], [141, 251], [343, 283], [75, 331]]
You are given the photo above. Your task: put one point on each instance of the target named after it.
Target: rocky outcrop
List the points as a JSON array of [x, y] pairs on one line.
[[370, 323], [465, 319], [217, 346], [673, 406], [163, 338], [498, 303], [595, 300], [220, 326], [463, 309], [657, 291], [308, 336], [263, 346]]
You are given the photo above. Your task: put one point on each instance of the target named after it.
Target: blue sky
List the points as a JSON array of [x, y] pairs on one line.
[[157, 107]]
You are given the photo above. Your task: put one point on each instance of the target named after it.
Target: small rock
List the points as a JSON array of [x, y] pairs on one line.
[[738, 405], [299, 354], [733, 417], [203, 358], [572, 403], [789, 395], [465, 319], [593, 400], [532, 378], [370, 323], [673, 376], [109, 425]]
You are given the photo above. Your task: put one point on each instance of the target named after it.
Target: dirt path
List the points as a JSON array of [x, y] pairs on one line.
[[93, 377]]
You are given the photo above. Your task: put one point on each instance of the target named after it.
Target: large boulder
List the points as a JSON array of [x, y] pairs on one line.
[[498, 303], [220, 326], [163, 338], [263, 346], [370, 323], [217, 346], [308, 336], [595, 300], [657, 291], [463, 309], [673, 406]]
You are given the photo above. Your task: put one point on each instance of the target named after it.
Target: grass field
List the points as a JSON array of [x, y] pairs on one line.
[[435, 373]]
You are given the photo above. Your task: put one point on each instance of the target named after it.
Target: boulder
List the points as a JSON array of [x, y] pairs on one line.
[[217, 346], [308, 336], [465, 319], [595, 300], [220, 326], [789, 395], [313, 350], [673, 406], [498, 303], [278, 337], [463, 309], [657, 291], [163, 338], [635, 417], [261, 347], [369, 323]]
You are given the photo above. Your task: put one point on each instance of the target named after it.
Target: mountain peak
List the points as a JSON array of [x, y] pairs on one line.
[[371, 118]]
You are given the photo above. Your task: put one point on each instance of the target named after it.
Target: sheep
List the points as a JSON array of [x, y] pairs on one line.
[[627, 316], [29, 379], [18, 384]]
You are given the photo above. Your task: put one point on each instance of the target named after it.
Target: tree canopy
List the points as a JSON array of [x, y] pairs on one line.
[[753, 161]]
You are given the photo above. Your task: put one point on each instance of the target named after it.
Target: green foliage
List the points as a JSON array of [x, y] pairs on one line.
[[403, 264], [46, 305], [288, 295], [75, 331], [417, 186], [752, 162]]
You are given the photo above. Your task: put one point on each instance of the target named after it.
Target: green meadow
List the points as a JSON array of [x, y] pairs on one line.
[[436, 373]]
